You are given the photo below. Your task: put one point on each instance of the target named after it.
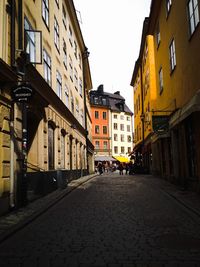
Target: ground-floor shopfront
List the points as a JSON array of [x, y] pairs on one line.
[[175, 153]]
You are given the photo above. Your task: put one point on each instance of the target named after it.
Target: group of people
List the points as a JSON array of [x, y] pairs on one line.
[[128, 167]]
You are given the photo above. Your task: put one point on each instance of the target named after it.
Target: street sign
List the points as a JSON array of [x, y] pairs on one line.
[[22, 93]]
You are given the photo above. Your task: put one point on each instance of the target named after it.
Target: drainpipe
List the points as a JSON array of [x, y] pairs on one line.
[[142, 115], [12, 31], [12, 55], [85, 56]]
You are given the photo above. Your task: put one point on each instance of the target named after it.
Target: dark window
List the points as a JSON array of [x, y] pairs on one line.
[[96, 114], [96, 129], [104, 115], [104, 129]]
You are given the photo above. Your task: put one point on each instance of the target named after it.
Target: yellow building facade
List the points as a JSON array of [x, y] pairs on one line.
[[43, 47], [144, 84], [174, 27]]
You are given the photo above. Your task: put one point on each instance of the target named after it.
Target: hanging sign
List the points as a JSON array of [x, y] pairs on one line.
[[22, 93]]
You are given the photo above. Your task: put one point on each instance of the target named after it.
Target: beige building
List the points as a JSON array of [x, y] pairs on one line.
[[43, 48]]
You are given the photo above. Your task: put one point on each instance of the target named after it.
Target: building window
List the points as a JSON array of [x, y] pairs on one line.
[[193, 13], [82, 118], [104, 129], [47, 67], [64, 53], [158, 39], [51, 147], [79, 60], [71, 68], [105, 144], [30, 40], [115, 137], [128, 138], [104, 115], [72, 104], [129, 150], [96, 100], [64, 16], [96, 129], [103, 100], [96, 144], [75, 49], [77, 110], [122, 149], [168, 5], [70, 35], [161, 80], [80, 87], [115, 116], [122, 127], [115, 126], [128, 118], [115, 149], [96, 114], [66, 96], [59, 84], [56, 34], [172, 55], [122, 117], [45, 11], [122, 138], [128, 128], [76, 78], [57, 3]]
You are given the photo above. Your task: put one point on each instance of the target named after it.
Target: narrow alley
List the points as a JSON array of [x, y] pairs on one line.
[[109, 221]]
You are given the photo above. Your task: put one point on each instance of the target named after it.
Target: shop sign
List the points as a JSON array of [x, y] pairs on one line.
[[160, 123], [22, 93]]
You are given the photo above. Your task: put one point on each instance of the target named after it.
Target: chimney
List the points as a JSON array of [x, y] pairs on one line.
[[117, 93], [100, 88]]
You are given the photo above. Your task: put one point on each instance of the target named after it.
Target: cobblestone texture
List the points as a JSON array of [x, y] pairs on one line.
[[110, 221]]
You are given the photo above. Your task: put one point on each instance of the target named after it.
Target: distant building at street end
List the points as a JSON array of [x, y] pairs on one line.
[[111, 125]]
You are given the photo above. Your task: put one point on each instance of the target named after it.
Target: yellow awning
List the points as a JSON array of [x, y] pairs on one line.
[[122, 159]]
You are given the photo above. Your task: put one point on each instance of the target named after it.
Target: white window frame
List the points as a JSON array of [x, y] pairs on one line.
[[56, 34], [47, 67], [172, 54], [45, 11], [59, 84], [193, 13], [161, 83]]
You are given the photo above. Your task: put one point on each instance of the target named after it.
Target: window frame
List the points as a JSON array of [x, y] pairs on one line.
[[192, 15], [45, 12], [47, 67]]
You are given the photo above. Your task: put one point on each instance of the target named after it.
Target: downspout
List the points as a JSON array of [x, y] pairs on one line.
[[12, 55], [142, 115], [85, 56]]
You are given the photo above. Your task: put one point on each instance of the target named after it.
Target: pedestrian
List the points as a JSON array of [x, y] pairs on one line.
[[121, 168], [127, 168], [100, 168]]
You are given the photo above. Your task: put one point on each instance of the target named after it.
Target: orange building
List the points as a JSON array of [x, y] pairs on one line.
[[100, 114]]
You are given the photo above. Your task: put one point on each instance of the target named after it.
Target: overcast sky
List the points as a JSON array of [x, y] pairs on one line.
[[112, 32]]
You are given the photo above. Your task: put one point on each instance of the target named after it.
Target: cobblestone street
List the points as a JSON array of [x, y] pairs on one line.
[[110, 221]]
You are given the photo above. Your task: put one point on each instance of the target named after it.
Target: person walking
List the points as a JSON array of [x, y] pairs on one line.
[[121, 168]]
